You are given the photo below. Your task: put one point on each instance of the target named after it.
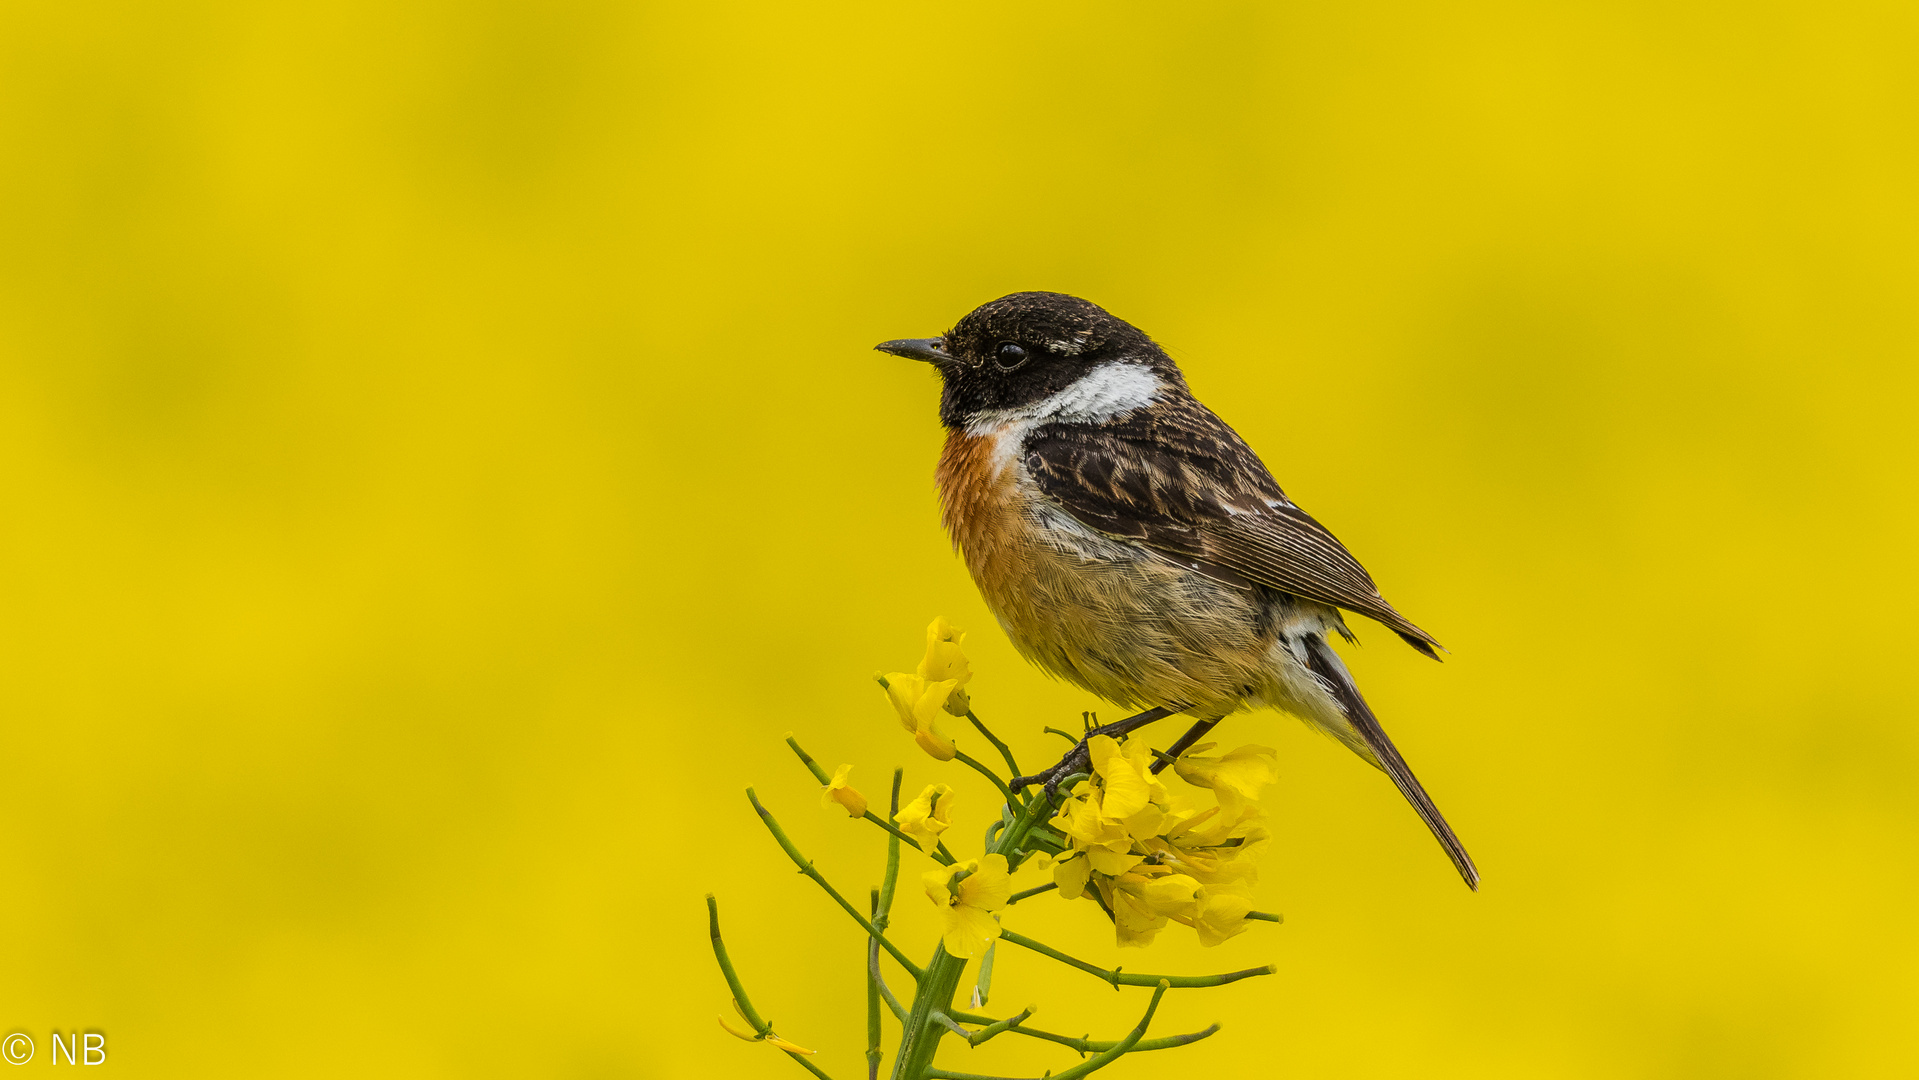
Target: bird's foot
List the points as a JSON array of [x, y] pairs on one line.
[[1079, 758]]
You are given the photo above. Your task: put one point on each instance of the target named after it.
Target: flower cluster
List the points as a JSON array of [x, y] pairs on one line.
[[1146, 858], [1121, 839], [939, 686]]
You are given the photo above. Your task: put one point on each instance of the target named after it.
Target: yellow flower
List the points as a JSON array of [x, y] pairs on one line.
[[967, 906], [1125, 791], [1071, 874], [919, 703], [1236, 777], [1211, 847], [1207, 865], [1147, 857], [1081, 819], [1141, 904], [926, 817], [944, 661], [1130, 792], [839, 793], [1220, 912]]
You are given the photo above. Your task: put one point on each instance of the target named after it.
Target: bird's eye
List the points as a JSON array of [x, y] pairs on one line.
[[1009, 356]]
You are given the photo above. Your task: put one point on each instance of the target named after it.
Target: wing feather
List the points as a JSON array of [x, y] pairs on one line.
[[1177, 479]]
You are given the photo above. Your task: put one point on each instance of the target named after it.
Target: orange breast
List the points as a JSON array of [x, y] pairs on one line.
[[980, 505]]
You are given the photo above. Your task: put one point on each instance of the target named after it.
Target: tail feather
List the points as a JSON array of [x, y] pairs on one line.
[[1325, 663]]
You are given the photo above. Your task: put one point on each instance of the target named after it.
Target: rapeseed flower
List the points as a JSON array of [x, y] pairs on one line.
[[1149, 860], [919, 704], [926, 817], [839, 793], [1235, 777], [1219, 912], [945, 662], [967, 894]]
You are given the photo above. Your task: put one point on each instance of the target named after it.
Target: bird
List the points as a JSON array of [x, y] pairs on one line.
[[1130, 542]]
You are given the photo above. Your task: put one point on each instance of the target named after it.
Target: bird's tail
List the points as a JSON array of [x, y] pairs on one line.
[[1325, 663]]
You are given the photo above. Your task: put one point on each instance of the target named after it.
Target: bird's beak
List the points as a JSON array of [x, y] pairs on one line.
[[931, 349]]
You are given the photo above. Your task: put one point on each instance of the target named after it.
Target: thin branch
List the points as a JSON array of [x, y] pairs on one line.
[[806, 867], [939, 853], [946, 1022], [967, 759], [1092, 1064], [1004, 751], [873, 975], [1077, 758], [873, 998], [1117, 979], [1091, 1046], [1049, 836], [1067, 735], [885, 916], [1034, 891], [815, 1069], [1000, 1026], [760, 1027]]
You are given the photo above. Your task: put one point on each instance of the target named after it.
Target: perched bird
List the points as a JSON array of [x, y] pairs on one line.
[[1130, 542]]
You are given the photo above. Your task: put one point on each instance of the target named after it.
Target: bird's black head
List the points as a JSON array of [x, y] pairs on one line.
[[1025, 349]]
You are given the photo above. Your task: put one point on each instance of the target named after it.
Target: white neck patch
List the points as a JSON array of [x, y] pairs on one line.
[[1108, 391]]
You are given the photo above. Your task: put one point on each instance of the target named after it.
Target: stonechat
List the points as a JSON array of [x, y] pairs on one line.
[[1130, 542]]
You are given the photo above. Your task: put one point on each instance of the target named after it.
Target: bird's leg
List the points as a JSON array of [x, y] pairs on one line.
[[1193, 734], [1079, 760]]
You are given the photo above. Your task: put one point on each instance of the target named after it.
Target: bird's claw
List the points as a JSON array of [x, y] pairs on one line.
[[1078, 759]]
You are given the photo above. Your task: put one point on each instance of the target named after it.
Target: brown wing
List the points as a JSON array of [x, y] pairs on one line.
[[1175, 478]]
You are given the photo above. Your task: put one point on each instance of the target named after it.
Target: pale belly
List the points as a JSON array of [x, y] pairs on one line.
[[1129, 626]]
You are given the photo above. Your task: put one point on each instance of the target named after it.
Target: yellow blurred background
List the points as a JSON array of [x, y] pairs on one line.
[[441, 454]]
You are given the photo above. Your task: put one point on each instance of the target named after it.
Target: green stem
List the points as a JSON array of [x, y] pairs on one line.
[[1004, 751], [940, 979], [760, 1027], [885, 917], [1117, 979], [939, 853], [1034, 891], [999, 1026], [806, 867], [812, 1068], [920, 1039], [1265, 916], [1092, 1064], [967, 759], [1091, 1046], [873, 976], [946, 1022], [873, 1000]]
